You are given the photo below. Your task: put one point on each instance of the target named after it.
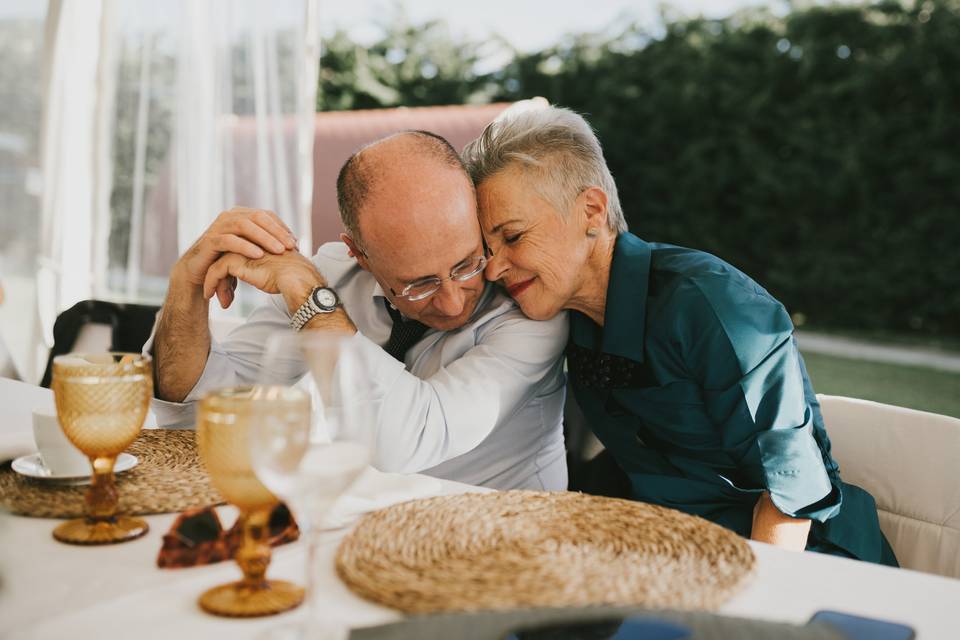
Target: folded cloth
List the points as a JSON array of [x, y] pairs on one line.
[[375, 490], [21, 443], [19, 401], [14, 445], [198, 538]]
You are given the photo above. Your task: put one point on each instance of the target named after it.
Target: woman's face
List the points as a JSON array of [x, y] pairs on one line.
[[537, 252]]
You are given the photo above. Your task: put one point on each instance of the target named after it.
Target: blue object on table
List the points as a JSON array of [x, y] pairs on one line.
[[859, 628], [638, 628]]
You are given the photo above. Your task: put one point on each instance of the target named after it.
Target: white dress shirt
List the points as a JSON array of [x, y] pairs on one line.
[[482, 404]]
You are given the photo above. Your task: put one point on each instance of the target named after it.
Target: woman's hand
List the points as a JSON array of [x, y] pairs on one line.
[[772, 526]]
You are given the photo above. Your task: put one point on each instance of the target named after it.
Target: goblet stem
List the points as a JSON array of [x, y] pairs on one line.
[[313, 542], [254, 553], [101, 498], [101, 525]]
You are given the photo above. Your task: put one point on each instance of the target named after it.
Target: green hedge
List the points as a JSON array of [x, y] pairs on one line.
[[818, 152]]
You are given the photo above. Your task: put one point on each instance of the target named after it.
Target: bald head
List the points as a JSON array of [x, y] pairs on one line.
[[391, 167], [410, 212]]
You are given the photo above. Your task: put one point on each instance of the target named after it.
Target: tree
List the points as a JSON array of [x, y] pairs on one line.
[[815, 151], [411, 65]]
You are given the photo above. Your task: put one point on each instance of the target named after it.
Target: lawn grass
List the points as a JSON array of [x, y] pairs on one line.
[[913, 387], [949, 344]]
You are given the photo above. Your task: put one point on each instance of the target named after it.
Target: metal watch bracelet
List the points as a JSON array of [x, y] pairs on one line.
[[312, 306]]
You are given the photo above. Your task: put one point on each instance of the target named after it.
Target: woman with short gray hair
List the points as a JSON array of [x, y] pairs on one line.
[[685, 368]]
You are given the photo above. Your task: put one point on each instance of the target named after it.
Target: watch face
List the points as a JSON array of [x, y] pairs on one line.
[[325, 298]]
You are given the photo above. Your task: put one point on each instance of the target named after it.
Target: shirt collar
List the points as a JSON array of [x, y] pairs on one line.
[[378, 291], [625, 313]]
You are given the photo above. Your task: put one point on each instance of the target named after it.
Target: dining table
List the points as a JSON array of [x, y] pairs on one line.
[[53, 590]]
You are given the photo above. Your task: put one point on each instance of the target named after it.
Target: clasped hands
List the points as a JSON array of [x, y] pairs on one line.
[[251, 245]]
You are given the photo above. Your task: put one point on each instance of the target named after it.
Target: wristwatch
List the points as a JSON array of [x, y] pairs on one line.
[[320, 300]]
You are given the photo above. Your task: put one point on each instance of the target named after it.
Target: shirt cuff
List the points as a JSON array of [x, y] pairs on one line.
[[795, 475], [174, 415], [217, 373]]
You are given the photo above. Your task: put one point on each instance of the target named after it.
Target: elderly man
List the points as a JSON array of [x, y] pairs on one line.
[[477, 398]]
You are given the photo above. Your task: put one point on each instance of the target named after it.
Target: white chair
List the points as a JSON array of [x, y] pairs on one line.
[[910, 461]]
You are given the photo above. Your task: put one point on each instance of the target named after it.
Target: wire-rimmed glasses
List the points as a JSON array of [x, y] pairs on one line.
[[426, 287]]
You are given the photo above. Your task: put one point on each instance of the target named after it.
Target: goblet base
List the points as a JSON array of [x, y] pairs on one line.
[[237, 600], [89, 532]]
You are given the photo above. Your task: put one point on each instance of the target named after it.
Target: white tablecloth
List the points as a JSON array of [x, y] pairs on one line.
[[52, 590]]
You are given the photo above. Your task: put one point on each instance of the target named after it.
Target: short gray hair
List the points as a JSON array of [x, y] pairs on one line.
[[557, 146]]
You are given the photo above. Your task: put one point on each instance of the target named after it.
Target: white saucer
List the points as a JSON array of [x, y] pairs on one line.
[[32, 466]]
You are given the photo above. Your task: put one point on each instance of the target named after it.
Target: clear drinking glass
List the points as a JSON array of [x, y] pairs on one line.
[[102, 401], [310, 463], [224, 418]]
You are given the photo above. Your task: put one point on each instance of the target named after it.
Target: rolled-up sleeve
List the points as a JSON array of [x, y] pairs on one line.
[[790, 457], [742, 350]]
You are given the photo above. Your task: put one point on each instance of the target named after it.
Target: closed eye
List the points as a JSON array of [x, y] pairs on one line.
[[512, 238]]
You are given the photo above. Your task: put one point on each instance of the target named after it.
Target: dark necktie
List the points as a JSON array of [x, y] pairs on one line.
[[403, 334]]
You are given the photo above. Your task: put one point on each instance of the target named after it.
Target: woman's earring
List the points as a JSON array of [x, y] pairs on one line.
[[592, 232]]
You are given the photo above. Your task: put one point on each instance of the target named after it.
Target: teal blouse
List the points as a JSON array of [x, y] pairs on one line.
[[730, 411]]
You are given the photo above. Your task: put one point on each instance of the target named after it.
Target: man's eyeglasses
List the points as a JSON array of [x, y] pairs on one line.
[[426, 287]]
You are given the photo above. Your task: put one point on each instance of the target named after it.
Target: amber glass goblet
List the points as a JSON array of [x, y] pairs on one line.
[[102, 401], [223, 420]]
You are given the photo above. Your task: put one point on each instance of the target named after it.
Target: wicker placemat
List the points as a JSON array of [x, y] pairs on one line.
[[527, 548], [169, 478]]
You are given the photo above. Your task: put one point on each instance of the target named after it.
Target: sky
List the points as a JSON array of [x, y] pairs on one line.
[[529, 25]]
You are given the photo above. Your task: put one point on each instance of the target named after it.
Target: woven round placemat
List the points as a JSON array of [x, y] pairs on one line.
[[169, 478], [514, 549]]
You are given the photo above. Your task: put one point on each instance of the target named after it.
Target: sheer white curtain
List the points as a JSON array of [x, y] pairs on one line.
[[21, 71], [157, 117]]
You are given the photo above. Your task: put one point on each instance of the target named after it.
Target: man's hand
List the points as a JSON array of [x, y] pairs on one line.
[[772, 526], [246, 232], [290, 274], [182, 341]]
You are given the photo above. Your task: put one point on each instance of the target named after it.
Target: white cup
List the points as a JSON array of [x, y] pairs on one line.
[[58, 454]]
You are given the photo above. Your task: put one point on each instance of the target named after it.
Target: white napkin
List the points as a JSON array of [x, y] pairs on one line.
[[375, 490], [14, 445], [18, 401]]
